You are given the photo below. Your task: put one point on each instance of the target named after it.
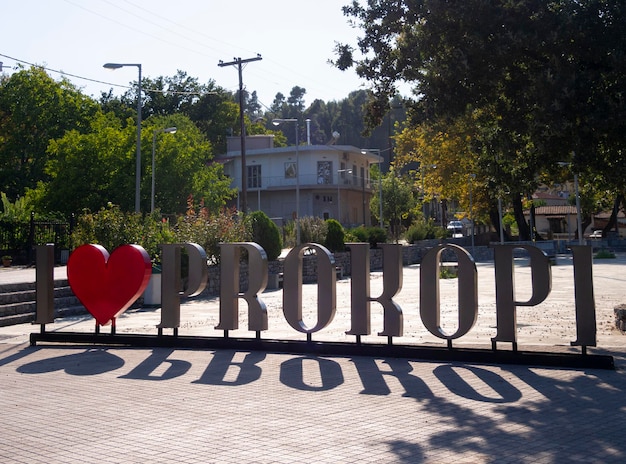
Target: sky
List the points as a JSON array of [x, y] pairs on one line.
[[295, 39]]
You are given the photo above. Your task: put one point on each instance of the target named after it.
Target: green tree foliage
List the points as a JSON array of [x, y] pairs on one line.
[[335, 236], [183, 167], [89, 170], [15, 211], [34, 109], [538, 81], [398, 201], [266, 234]]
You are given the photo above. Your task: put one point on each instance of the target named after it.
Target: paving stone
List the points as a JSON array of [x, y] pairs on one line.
[[77, 404]]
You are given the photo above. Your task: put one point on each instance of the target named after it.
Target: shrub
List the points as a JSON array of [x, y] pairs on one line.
[[376, 235], [335, 236], [372, 235], [110, 227], [424, 230], [209, 230], [447, 273], [604, 254], [358, 234], [266, 234], [312, 229]]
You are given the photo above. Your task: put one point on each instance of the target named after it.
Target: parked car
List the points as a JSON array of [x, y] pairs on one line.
[[455, 228], [596, 234]]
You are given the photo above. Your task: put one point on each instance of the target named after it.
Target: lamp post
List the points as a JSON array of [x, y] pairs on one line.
[[114, 66], [278, 122], [578, 214], [168, 130], [471, 176]]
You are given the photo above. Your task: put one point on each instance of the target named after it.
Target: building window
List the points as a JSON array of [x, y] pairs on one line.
[[254, 176], [324, 172], [290, 170]]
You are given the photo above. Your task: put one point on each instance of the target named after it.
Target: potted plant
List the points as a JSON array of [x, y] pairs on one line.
[[6, 260]]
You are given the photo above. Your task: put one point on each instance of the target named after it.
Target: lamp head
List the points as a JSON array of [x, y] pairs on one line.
[[112, 65], [170, 130]]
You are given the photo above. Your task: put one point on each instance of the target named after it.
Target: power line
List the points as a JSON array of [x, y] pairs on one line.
[[63, 73]]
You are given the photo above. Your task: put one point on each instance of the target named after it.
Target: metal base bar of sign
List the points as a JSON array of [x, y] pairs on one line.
[[427, 353]]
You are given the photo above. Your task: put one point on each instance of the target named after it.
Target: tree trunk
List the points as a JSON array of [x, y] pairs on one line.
[[533, 233], [495, 221], [613, 219], [518, 212]]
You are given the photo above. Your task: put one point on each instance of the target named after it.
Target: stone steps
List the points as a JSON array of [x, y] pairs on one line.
[[18, 302]]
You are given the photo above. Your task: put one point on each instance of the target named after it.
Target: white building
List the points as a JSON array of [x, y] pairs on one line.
[[333, 180]]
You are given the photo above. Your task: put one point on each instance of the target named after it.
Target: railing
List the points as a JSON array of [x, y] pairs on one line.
[[312, 180], [18, 238]]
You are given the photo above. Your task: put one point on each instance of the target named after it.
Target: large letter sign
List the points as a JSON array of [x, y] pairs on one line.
[[505, 287], [429, 294], [326, 288], [108, 284], [171, 280], [229, 286]]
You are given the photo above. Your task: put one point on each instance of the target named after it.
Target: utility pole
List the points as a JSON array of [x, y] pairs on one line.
[[244, 178]]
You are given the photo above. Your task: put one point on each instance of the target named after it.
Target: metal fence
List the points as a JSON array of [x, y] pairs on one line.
[[19, 238]]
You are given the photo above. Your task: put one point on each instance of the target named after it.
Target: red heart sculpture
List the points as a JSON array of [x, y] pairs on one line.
[[108, 285]]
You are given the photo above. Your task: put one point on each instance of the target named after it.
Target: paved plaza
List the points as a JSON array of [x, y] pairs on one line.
[[66, 404]]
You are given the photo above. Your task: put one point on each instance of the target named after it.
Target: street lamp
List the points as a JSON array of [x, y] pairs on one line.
[[576, 192], [168, 130], [278, 122], [349, 171], [471, 176], [114, 66]]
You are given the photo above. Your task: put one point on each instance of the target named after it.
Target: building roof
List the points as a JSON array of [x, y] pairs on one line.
[[557, 210]]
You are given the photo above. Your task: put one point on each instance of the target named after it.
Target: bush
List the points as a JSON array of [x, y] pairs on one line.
[[110, 227], [312, 230], [209, 230], [376, 235], [335, 236], [266, 234], [358, 234], [604, 254], [424, 230], [372, 235]]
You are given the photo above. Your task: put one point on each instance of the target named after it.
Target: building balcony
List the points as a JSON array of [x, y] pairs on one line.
[[311, 181]]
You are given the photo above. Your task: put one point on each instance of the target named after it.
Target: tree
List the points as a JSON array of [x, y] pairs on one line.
[[216, 114], [34, 109], [398, 201], [89, 171], [541, 79]]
